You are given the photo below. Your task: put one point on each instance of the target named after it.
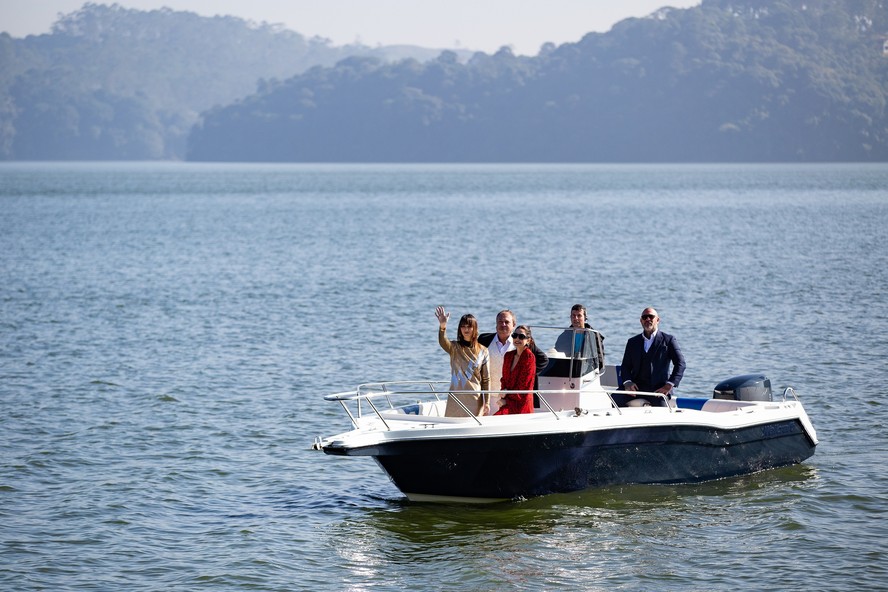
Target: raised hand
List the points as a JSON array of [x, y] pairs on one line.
[[443, 316]]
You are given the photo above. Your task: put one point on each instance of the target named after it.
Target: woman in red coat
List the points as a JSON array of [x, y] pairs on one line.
[[519, 370]]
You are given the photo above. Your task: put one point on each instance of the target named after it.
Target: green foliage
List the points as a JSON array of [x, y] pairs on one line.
[[114, 83], [729, 80]]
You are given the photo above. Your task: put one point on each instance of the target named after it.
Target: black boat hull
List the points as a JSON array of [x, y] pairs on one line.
[[527, 465]]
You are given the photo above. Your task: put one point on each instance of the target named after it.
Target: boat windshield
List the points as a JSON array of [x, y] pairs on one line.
[[572, 352]]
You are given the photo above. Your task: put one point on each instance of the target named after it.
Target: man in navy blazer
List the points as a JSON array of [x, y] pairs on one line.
[[646, 361]]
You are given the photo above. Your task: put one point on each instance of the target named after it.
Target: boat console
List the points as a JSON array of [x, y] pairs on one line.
[[571, 378]]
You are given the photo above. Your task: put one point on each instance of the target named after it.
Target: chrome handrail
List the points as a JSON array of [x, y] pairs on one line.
[[666, 398], [368, 391], [378, 414], [792, 392], [463, 405], [542, 399]]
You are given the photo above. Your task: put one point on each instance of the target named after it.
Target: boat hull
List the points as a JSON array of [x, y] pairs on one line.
[[533, 464]]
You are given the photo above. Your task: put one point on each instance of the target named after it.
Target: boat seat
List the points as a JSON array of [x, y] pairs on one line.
[[611, 377], [724, 405]]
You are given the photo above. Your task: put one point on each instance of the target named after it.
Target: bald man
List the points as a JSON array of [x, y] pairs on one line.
[[647, 358]]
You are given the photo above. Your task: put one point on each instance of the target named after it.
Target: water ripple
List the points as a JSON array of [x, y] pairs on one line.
[[167, 334]]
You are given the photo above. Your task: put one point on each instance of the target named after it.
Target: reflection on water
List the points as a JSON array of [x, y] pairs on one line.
[[567, 540]]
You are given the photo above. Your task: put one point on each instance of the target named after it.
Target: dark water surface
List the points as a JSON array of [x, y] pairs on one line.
[[168, 331]]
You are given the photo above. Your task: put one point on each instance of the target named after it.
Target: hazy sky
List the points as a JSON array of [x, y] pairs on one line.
[[484, 25]]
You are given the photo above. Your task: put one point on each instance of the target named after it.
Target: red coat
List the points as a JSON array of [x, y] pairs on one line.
[[518, 379]]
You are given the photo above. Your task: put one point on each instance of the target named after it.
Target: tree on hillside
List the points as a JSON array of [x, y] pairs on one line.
[[728, 80], [132, 83]]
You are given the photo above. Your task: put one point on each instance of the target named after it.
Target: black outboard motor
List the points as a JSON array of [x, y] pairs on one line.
[[749, 387]]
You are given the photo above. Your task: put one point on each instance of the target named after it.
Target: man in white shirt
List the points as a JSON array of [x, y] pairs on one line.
[[497, 345], [647, 359]]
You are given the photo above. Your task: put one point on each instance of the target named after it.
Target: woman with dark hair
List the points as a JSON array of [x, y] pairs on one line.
[[468, 366], [519, 370]]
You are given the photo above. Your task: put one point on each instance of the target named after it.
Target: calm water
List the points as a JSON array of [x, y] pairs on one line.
[[168, 331]]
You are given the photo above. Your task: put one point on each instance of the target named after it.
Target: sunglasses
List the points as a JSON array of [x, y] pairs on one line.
[[648, 316], [519, 336]]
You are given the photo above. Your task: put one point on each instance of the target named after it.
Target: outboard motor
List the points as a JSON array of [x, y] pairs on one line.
[[749, 387]]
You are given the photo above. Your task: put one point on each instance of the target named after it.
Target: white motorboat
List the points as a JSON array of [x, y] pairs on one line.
[[579, 436]]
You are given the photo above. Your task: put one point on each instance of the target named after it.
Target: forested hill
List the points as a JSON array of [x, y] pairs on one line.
[[729, 80], [115, 83]]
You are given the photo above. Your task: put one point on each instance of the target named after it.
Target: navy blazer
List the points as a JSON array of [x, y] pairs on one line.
[[650, 370]]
